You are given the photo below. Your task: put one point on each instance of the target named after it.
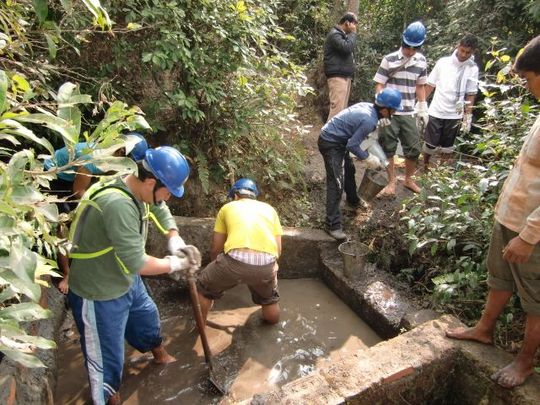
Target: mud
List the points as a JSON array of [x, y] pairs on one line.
[[316, 329]]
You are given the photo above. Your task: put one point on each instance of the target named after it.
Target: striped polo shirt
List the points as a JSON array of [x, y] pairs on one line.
[[518, 207], [403, 74]]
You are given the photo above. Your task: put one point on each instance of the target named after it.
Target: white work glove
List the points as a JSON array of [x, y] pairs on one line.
[[383, 122], [372, 162], [177, 264], [175, 243], [422, 116], [191, 253], [370, 139], [466, 123]]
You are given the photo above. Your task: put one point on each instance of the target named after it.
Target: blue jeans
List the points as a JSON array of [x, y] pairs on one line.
[[340, 172], [103, 326]]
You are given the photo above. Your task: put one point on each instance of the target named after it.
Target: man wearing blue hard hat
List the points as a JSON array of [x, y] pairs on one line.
[[245, 247], [406, 71], [343, 134], [71, 184], [106, 293]]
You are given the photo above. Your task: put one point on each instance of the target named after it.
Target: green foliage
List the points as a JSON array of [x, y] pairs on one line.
[[306, 22], [214, 80], [32, 115]]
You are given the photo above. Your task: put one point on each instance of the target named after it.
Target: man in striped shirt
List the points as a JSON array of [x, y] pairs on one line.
[[514, 252], [406, 71]]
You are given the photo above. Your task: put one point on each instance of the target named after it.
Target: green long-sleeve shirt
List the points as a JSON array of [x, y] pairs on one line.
[[118, 224]]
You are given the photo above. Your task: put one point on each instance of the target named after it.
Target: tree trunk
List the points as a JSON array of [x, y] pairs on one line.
[[353, 6]]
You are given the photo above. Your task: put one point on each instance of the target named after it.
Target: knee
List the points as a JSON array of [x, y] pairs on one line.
[[270, 313], [271, 319]]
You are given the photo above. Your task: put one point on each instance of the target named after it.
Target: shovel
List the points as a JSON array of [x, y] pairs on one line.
[[215, 379]]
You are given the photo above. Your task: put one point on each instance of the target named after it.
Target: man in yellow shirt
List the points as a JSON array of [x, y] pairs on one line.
[[245, 247]]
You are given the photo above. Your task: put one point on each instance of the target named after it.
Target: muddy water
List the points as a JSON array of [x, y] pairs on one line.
[[316, 328]]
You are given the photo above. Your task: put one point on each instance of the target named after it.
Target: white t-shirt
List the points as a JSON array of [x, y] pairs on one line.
[[452, 80]]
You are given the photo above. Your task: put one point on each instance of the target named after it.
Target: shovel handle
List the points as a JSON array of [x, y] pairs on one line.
[[199, 318]]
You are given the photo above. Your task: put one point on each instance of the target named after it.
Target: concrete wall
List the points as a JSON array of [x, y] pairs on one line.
[[420, 366]]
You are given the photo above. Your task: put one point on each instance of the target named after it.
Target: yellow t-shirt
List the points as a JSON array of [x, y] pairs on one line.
[[249, 224]]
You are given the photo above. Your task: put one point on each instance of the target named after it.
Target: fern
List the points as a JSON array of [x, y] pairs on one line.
[[202, 168]]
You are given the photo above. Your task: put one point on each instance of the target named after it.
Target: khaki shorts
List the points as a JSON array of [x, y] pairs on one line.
[[523, 278], [403, 128], [225, 273]]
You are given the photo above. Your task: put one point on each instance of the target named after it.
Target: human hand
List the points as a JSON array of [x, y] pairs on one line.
[[517, 251], [63, 285], [177, 263], [466, 123], [372, 162], [192, 254], [175, 243], [383, 122]]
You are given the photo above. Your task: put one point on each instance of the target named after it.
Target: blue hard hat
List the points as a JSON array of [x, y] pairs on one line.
[[415, 34], [138, 151], [169, 166], [245, 187], [389, 98]]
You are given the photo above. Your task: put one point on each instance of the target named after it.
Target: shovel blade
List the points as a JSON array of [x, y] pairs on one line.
[[217, 377]]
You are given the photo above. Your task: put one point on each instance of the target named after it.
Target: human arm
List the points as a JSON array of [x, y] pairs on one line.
[[218, 244], [343, 44], [161, 215], [362, 132], [278, 243], [82, 181], [63, 264], [153, 266], [381, 76], [428, 89], [469, 103]]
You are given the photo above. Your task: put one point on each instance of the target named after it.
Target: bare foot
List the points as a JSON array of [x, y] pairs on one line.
[[411, 185], [513, 374], [114, 400], [161, 356], [389, 191], [470, 334]]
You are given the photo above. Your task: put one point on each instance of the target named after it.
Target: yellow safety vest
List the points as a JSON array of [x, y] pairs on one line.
[[80, 217]]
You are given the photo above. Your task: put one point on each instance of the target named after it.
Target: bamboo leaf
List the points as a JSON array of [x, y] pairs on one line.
[[26, 360], [67, 130], [26, 311], [41, 9], [51, 45], [4, 82], [13, 127]]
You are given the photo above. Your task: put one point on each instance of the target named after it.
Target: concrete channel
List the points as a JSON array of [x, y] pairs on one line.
[[403, 359]]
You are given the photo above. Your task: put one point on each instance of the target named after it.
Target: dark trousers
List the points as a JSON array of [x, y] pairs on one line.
[[340, 173]]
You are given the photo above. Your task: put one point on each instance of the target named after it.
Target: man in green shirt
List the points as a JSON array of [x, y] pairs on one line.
[[106, 293]]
